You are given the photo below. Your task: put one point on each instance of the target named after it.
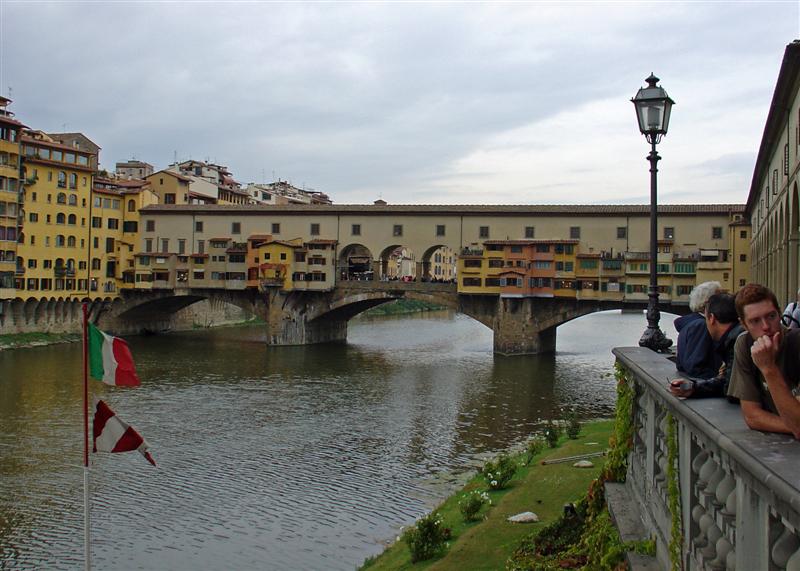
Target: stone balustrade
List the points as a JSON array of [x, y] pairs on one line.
[[739, 489]]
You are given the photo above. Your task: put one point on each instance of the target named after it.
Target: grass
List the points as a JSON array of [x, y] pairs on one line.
[[16, 340], [402, 306], [487, 544]]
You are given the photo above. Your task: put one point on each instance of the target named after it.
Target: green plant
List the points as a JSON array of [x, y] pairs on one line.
[[427, 538], [552, 432], [471, 503], [573, 424], [499, 472], [674, 495], [534, 447]]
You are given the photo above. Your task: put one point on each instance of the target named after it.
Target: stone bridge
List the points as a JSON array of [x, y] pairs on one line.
[[520, 325]]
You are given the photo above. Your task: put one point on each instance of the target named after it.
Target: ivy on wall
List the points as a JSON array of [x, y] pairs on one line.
[[674, 496]]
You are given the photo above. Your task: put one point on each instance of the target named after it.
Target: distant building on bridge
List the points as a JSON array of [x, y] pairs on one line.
[[588, 252]]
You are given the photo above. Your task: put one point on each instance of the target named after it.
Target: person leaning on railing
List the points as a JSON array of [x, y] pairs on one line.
[[791, 315], [695, 351], [766, 367], [723, 328]]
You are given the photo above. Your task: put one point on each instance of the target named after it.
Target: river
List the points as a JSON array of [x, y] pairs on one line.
[[278, 458]]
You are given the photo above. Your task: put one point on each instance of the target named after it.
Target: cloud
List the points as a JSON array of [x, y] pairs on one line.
[[417, 102]]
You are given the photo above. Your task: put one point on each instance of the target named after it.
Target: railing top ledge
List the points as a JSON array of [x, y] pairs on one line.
[[772, 459]]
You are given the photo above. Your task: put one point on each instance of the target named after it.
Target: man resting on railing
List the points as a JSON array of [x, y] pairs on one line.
[[723, 327], [766, 367]]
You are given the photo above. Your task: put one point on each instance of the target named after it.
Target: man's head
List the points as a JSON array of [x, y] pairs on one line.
[[758, 310], [699, 295], [720, 314]]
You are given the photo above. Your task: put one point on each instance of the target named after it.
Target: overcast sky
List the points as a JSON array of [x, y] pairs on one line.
[[435, 103]]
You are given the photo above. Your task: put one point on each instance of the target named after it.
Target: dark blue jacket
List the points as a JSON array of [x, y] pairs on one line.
[[696, 355]]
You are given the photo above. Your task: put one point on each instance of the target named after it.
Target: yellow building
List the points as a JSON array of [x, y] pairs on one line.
[[170, 187], [12, 268], [55, 240], [115, 229], [292, 265]]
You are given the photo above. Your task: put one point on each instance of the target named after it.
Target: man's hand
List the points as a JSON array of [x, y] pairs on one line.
[[681, 387], [765, 351]]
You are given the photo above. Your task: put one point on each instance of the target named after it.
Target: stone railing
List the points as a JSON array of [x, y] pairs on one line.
[[739, 489]]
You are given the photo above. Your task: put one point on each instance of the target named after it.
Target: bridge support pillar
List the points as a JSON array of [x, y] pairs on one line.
[[518, 331], [288, 324]]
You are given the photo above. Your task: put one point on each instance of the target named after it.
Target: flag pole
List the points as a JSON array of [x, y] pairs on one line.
[[86, 528]]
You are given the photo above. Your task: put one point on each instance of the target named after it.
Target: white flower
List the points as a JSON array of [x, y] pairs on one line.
[[494, 482]]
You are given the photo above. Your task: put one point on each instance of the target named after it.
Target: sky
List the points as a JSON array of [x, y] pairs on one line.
[[411, 102]]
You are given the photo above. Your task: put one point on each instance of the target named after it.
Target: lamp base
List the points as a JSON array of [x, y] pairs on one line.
[[654, 339]]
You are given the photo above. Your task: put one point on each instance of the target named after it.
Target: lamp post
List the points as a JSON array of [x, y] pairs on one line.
[[653, 107]]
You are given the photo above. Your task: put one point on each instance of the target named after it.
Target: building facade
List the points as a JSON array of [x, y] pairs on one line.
[[11, 201], [773, 203], [593, 252]]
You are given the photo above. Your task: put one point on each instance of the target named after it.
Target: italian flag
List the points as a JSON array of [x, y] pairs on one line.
[[110, 360], [112, 434]]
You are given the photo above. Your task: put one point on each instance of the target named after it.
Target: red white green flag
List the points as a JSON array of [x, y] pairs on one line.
[[112, 434], [110, 359]]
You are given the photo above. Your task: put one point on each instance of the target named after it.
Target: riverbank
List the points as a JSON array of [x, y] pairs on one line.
[[402, 307], [490, 542]]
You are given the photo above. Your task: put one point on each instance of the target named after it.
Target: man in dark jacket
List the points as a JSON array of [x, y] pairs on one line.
[[722, 324], [695, 349]]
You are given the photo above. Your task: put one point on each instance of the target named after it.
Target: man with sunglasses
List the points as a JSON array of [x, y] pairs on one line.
[[766, 367]]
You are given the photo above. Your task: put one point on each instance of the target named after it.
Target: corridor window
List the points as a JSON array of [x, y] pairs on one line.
[[397, 230], [530, 232], [315, 229], [575, 232], [355, 230], [440, 229], [622, 232], [716, 233], [669, 233], [483, 232]]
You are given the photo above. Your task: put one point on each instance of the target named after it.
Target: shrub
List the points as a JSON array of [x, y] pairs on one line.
[[470, 504], [552, 432], [573, 425], [535, 446], [427, 538], [498, 473]]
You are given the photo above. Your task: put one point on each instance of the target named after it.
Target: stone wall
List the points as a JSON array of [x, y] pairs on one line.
[[65, 316]]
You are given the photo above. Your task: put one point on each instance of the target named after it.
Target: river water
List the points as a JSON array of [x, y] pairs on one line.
[[278, 458]]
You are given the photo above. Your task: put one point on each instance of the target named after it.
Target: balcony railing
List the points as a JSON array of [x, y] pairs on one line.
[[737, 489], [64, 272]]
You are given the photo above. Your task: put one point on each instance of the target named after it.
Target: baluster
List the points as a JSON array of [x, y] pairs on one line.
[[726, 486], [794, 562], [730, 561], [710, 550], [706, 521], [730, 504], [661, 463], [705, 472], [723, 547], [784, 548], [716, 478], [699, 460]]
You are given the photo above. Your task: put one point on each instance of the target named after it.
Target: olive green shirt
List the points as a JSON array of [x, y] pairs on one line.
[[747, 382]]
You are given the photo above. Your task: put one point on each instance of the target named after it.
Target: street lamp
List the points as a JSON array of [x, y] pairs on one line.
[[653, 107]]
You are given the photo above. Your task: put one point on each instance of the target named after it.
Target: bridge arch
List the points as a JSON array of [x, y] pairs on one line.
[[355, 262], [397, 261]]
